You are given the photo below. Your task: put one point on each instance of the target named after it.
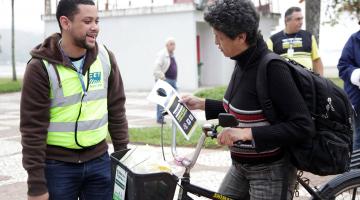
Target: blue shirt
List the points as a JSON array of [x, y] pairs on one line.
[[348, 62]]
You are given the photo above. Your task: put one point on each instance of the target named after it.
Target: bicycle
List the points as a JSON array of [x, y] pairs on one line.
[[162, 185]]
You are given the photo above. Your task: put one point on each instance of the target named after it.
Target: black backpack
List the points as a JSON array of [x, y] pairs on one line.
[[329, 151]]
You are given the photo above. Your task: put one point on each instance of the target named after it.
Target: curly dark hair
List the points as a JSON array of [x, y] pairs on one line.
[[69, 8], [233, 17]]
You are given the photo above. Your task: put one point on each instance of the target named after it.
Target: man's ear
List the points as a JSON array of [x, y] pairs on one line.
[[242, 37], [65, 23]]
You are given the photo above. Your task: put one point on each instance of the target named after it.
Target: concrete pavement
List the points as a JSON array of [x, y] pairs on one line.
[[208, 172]]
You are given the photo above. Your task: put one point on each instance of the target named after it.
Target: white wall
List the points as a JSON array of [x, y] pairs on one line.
[[216, 69], [136, 39], [268, 24]]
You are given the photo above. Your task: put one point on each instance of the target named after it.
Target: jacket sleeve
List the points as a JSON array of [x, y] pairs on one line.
[[346, 63], [118, 125], [34, 121], [213, 108], [158, 69], [295, 122]]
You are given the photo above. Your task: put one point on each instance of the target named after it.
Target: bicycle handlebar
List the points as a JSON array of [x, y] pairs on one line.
[[208, 130]]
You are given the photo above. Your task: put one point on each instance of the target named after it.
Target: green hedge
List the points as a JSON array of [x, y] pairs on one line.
[[212, 93]]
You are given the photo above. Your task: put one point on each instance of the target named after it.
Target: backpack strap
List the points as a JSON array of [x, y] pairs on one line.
[[262, 86]]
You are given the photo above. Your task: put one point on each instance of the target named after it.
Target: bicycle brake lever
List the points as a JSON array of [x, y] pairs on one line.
[[241, 143]]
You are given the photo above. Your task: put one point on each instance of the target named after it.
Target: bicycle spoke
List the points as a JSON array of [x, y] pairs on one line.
[[354, 194], [351, 193]]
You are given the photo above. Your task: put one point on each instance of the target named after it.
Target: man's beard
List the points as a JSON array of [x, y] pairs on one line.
[[81, 42]]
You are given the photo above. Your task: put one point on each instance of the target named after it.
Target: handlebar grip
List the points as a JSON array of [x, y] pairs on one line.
[[238, 143], [213, 135]]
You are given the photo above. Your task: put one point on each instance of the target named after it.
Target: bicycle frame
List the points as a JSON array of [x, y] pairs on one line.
[[311, 191], [185, 185]]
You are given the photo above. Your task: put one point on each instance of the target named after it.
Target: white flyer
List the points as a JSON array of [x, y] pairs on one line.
[[166, 96], [120, 184]]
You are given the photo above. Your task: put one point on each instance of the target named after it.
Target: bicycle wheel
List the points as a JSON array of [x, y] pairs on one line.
[[344, 186]]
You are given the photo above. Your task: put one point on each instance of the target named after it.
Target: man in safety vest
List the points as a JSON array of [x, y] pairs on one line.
[[296, 44], [72, 98]]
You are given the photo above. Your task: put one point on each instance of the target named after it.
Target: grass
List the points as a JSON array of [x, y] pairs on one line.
[[8, 85], [152, 136], [216, 93]]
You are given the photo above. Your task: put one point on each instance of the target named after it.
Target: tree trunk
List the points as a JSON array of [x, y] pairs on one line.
[[312, 17], [13, 40]]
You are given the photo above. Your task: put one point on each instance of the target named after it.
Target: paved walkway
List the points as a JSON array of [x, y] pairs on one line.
[[208, 172]]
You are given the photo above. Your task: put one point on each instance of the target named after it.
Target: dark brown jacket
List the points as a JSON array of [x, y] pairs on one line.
[[35, 115]]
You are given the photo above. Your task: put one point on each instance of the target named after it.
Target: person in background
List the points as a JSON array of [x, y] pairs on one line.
[[72, 98], [296, 44], [349, 72], [166, 69]]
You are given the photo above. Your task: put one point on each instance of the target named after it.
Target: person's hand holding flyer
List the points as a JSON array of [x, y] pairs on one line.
[[165, 95]]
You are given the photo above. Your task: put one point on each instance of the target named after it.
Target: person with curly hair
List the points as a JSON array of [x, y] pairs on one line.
[[261, 167]]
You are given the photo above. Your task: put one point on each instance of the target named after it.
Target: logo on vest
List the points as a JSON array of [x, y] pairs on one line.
[[95, 79], [290, 43]]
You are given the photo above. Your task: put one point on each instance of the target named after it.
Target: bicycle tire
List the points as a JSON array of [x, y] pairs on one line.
[[343, 186]]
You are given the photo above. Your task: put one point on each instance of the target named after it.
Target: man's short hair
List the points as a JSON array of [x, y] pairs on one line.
[[169, 39], [69, 8], [290, 11], [233, 17]]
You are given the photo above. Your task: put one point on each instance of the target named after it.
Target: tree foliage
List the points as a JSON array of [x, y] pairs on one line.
[[336, 7]]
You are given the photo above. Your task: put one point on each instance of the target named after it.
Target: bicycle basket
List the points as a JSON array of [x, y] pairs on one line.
[[159, 186]]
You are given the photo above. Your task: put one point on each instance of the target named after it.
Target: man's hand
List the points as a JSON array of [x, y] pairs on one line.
[[192, 102], [230, 135], [41, 197]]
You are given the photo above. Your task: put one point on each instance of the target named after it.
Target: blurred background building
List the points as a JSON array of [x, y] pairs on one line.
[[135, 30]]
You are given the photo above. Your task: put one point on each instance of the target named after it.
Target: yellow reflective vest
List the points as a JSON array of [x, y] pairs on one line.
[[79, 118]]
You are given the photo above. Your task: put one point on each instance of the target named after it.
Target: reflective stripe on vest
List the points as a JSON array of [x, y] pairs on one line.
[[78, 120]]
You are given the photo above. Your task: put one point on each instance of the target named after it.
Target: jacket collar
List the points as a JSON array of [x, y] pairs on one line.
[[252, 54], [50, 50]]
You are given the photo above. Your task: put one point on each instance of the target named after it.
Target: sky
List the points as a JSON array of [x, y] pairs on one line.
[[27, 15]]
